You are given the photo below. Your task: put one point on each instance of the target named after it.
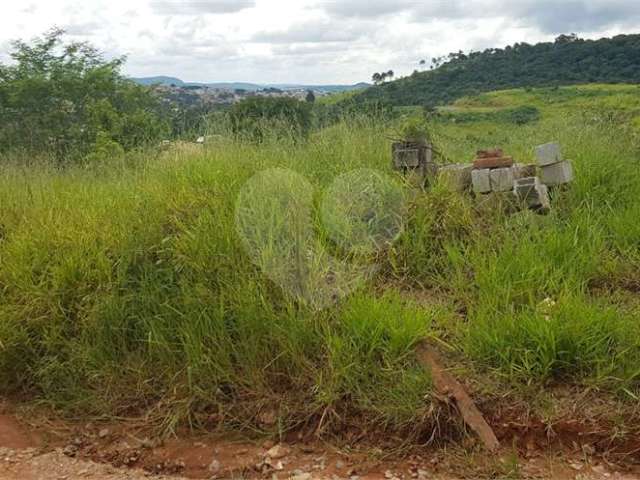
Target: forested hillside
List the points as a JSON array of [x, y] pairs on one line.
[[569, 60]]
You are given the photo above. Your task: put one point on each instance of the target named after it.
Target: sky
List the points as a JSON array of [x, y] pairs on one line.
[[304, 41]]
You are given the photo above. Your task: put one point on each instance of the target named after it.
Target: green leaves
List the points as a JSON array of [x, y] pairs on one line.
[[57, 97]]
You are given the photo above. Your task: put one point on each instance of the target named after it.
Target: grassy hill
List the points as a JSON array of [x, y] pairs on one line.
[[128, 287], [568, 60]]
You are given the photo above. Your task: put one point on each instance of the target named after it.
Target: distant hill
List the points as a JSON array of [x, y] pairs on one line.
[[568, 60], [164, 80], [159, 80]]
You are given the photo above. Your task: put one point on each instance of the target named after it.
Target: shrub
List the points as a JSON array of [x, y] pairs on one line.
[[258, 117]]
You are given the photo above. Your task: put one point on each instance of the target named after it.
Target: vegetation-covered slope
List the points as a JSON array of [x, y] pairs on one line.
[[569, 60], [131, 290]]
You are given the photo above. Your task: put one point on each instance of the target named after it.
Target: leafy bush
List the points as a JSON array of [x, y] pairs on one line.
[[60, 99]]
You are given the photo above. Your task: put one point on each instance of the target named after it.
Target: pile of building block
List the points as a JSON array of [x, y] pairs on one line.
[[492, 173], [554, 171], [495, 172]]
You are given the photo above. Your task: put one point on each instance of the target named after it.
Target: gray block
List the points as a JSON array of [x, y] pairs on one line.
[[557, 174], [548, 154], [531, 191], [456, 177], [502, 179], [406, 158], [481, 180]]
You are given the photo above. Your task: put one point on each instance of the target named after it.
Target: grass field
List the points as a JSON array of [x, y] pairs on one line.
[[127, 288]]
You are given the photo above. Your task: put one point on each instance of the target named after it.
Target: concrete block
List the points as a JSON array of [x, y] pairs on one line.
[[502, 179], [481, 180], [456, 177], [548, 154], [531, 191], [406, 158], [557, 174]]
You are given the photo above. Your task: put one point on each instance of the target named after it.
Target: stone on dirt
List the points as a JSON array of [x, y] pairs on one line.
[[277, 451], [548, 154], [557, 174]]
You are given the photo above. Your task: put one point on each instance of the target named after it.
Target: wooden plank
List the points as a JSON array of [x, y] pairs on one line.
[[448, 386]]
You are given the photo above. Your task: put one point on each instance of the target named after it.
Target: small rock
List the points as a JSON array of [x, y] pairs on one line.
[[70, 450], [339, 464], [302, 476], [103, 433], [278, 451], [388, 474], [214, 466], [576, 466]]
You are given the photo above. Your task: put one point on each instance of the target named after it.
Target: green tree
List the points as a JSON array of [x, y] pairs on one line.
[[310, 98], [61, 98]]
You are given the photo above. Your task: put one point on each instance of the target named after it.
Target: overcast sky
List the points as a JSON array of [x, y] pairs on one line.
[[305, 41]]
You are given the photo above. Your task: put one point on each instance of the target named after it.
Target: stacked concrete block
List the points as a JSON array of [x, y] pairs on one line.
[[414, 159], [481, 180], [456, 177], [502, 179], [557, 174], [554, 169], [406, 157], [548, 154], [532, 192], [493, 172]]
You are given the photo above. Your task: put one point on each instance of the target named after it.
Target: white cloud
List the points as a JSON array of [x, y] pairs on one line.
[[311, 41], [199, 7]]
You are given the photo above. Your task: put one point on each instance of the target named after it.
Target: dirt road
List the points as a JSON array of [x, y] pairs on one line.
[[117, 452]]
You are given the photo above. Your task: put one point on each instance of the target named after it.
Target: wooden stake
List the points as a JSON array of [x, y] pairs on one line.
[[448, 386]]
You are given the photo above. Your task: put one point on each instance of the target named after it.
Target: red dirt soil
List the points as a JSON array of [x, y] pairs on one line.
[[63, 451]]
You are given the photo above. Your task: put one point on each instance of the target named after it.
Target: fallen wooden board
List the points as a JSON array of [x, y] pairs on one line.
[[448, 386]]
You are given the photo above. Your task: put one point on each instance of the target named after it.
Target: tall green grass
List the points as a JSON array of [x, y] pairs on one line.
[[127, 288]]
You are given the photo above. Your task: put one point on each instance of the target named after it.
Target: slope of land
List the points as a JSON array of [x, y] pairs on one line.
[[126, 289], [567, 61]]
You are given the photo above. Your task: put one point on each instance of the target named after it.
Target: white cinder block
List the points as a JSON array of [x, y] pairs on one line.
[[557, 174], [548, 154], [481, 180], [502, 179]]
